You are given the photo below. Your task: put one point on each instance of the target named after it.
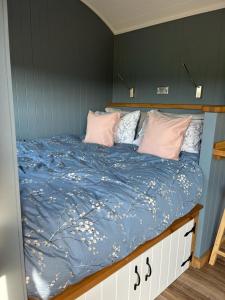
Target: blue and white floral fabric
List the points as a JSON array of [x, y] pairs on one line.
[[85, 206]]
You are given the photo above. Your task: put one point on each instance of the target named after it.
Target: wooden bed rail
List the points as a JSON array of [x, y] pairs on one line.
[[203, 108], [76, 290]]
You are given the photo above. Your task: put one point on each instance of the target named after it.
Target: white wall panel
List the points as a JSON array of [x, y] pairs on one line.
[[12, 277]]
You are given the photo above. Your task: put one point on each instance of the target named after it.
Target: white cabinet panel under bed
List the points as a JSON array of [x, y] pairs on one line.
[[149, 274]]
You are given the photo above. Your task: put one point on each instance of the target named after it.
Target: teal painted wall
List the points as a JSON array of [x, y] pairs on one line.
[[153, 56], [62, 65], [213, 198]]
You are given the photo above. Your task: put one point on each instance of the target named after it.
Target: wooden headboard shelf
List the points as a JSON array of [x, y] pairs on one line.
[[204, 108]]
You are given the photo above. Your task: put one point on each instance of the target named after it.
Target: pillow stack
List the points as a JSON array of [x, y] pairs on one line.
[[126, 130], [193, 134], [160, 134], [164, 136], [107, 128]]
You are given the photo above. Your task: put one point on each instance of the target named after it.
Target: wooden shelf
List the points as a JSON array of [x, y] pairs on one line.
[[203, 108], [219, 150]]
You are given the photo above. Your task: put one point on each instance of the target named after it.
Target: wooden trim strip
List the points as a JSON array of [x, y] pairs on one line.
[[219, 150], [199, 262], [76, 290], [204, 108]]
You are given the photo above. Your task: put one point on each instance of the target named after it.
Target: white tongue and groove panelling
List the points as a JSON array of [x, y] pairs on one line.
[[147, 276], [127, 15]]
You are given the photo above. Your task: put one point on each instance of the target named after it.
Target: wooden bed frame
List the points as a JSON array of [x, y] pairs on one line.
[[80, 289], [77, 290], [91, 287]]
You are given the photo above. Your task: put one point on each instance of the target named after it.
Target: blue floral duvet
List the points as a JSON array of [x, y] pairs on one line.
[[85, 206]]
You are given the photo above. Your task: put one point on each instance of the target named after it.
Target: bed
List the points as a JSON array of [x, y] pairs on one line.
[[86, 208]]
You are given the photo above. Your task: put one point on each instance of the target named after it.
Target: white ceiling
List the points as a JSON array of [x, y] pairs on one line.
[[127, 15]]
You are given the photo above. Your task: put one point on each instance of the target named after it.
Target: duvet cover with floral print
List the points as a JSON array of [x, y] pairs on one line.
[[85, 206]]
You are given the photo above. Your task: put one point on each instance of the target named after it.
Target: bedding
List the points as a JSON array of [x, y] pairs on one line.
[[101, 128], [193, 134], [164, 135], [126, 129], [143, 115], [86, 206]]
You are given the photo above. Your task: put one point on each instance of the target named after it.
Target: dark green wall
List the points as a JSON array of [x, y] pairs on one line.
[[153, 57], [62, 65]]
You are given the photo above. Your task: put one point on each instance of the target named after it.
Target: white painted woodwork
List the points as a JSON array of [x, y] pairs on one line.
[[95, 293], [109, 288], [164, 265], [156, 259], [12, 275], [81, 298], [182, 253], [127, 15], [122, 278], [165, 259], [173, 257], [135, 294], [187, 246], [146, 285]]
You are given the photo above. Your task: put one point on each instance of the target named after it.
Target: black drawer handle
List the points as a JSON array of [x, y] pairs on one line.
[[150, 269], [138, 278], [187, 260], [190, 231]]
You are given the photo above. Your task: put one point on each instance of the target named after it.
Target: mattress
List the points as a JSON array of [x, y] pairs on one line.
[[85, 206]]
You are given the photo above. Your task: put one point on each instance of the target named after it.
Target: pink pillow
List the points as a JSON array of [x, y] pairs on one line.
[[164, 136], [100, 128]]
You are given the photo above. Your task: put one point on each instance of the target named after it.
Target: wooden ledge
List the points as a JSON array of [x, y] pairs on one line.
[[76, 290], [203, 108], [219, 150]]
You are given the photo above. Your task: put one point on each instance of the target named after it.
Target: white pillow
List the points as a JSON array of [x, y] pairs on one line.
[[193, 135], [143, 116], [126, 129], [141, 133]]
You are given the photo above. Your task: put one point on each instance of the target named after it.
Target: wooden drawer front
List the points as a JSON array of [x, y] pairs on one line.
[[151, 273]]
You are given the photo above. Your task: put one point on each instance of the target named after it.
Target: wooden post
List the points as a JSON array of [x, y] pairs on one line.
[[219, 239]]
